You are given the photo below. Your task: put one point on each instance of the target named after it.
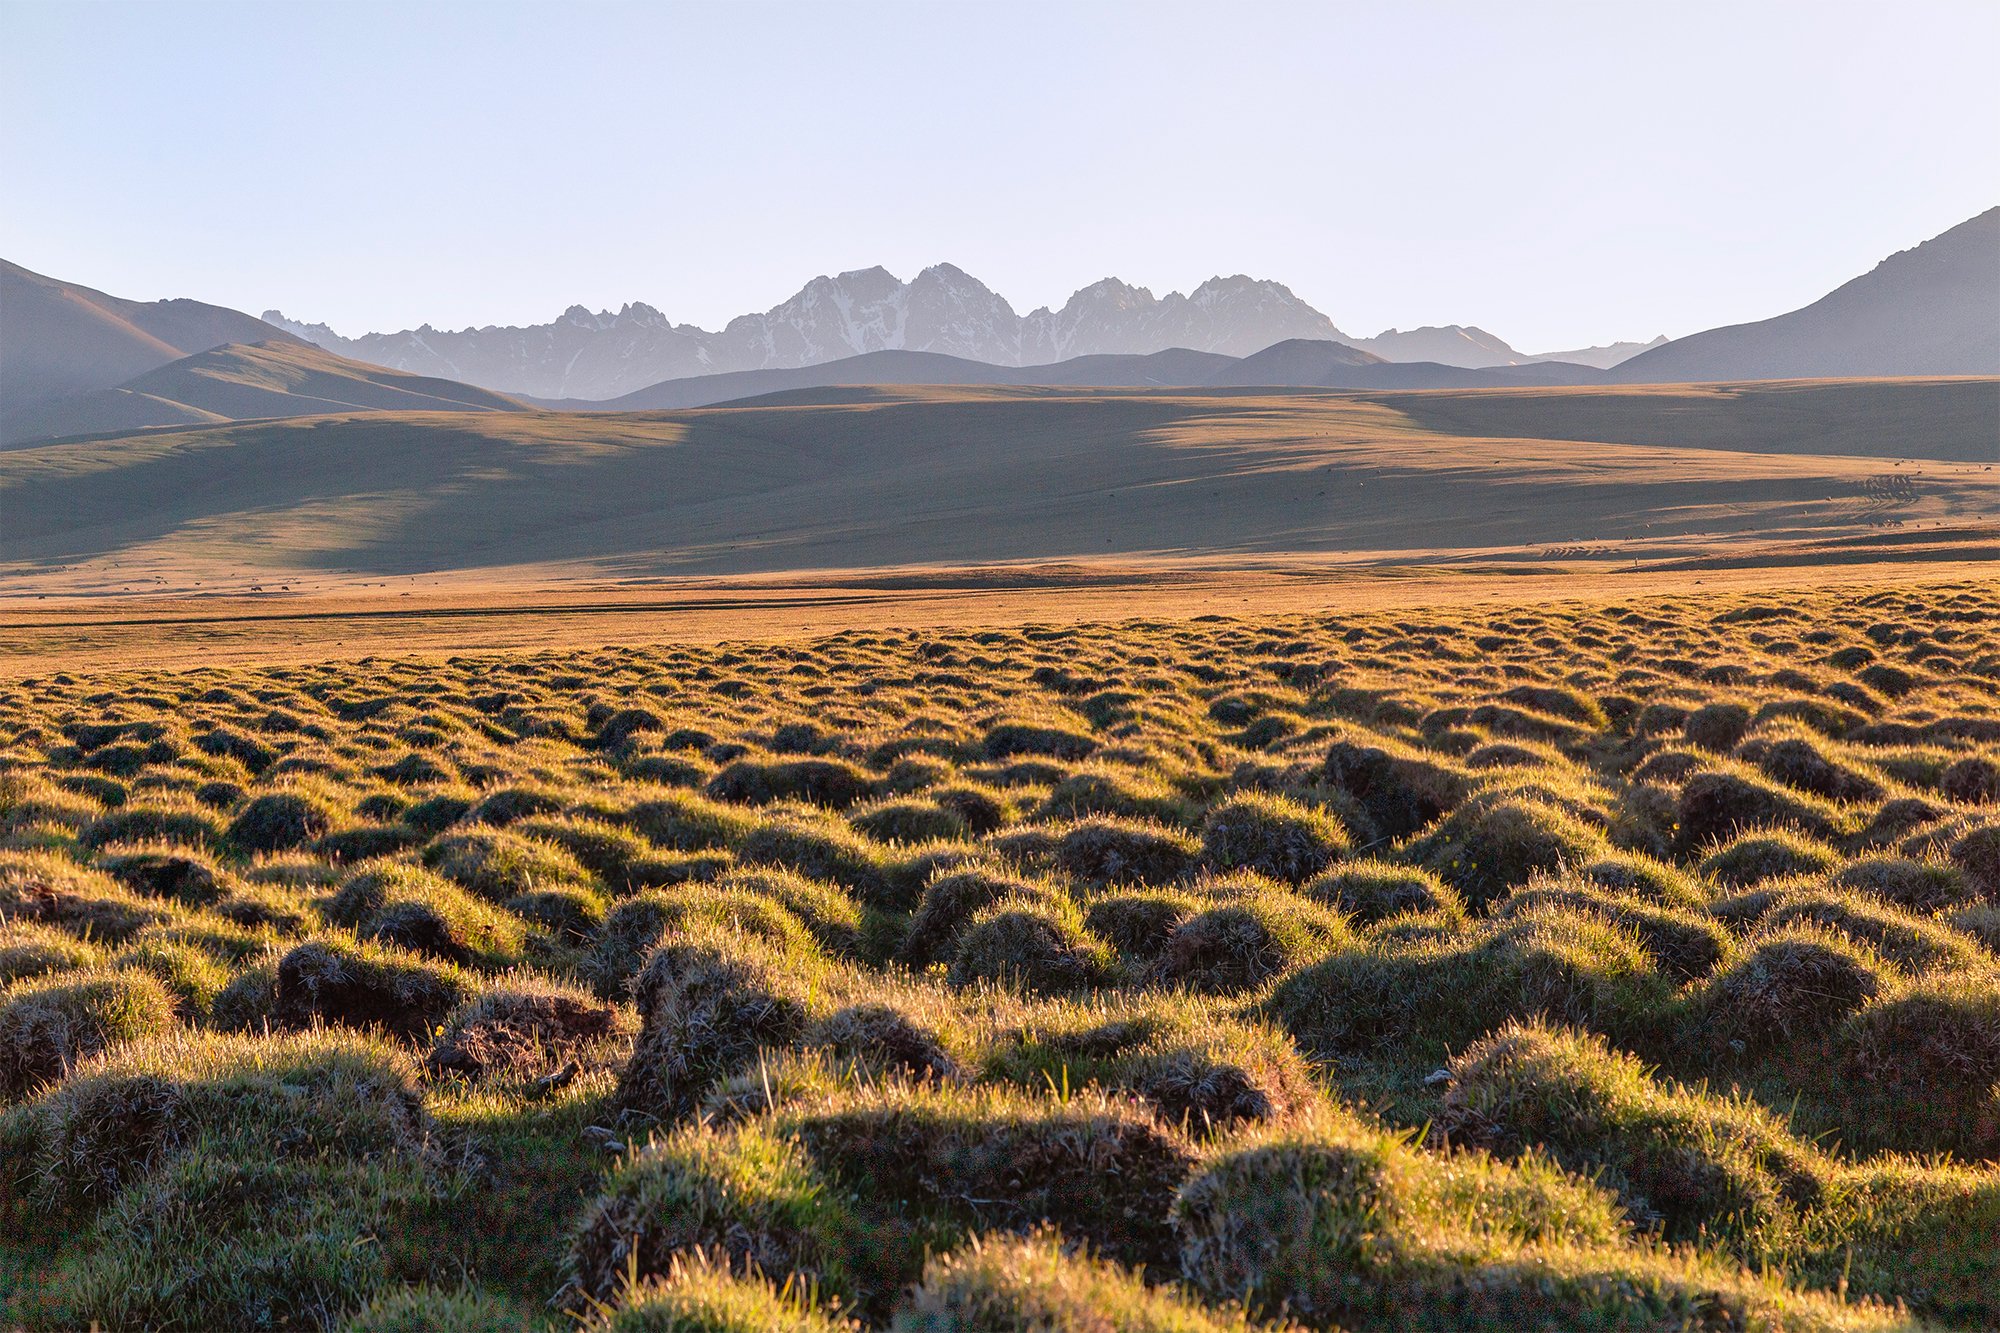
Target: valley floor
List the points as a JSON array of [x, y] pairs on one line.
[[305, 621]]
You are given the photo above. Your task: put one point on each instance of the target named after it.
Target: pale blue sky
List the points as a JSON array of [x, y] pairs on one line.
[[1559, 173]]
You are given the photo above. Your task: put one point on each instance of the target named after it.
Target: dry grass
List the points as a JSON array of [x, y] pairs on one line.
[[1024, 976]]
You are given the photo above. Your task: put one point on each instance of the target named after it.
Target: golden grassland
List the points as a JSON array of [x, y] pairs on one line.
[[298, 622], [878, 478], [1623, 961]]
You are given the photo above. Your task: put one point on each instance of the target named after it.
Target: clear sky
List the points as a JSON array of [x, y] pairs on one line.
[[1558, 173]]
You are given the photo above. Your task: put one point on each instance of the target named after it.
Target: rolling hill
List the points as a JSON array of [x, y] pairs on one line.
[[1930, 310], [1296, 363], [240, 382], [59, 339], [861, 477]]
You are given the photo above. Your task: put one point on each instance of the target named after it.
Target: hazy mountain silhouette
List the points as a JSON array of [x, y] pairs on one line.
[[943, 310], [1475, 348], [1294, 363], [58, 338], [1931, 310], [278, 378]]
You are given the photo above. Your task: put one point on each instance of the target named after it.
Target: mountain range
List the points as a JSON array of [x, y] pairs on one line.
[[1298, 363], [76, 361], [607, 355]]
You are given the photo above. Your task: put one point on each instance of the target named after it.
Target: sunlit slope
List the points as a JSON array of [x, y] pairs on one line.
[[959, 475], [242, 382], [60, 338], [1942, 419]]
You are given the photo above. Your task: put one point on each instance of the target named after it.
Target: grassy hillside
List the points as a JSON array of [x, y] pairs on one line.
[[1928, 310], [1588, 966], [243, 382], [1922, 420], [872, 477], [61, 339]]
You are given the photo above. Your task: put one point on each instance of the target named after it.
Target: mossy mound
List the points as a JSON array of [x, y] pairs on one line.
[[709, 999], [339, 981], [823, 849], [909, 821], [831, 783], [28, 949], [1371, 891], [1113, 851], [236, 1182], [50, 1024], [1688, 1164], [1919, 1070], [1138, 923], [281, 820], [1488, 846], [1790, 986], [1340, 1223], [1038, 1284], [51, 889], [1756, 857], [1715, 806], [1684, 944], [324, 1091], [1268, 835], [180, 874], [635, 925], [1037, 943], [498, 864], [785, 1193], [1416, 999], [407, 906], [950, 902], [531, 1028], [1201, 1071], [1398, 789], [1252, 932]]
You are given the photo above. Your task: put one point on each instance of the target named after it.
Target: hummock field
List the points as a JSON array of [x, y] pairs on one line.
[[1628, 960]]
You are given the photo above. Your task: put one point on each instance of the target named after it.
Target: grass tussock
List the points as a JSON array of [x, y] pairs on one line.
[[1536, 966]]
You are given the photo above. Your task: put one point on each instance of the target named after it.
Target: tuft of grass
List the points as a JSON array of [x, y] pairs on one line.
[[1252, 932], [1489, 846], [336, 980], [1038, 943], [50, 1024], [1037, 1283], [1104, 851], [1268, 835]]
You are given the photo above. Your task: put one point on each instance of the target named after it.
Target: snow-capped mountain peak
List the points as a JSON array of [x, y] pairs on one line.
[[602, 354]]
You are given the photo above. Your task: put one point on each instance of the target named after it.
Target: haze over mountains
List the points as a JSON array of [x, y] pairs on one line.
[[281, 377], [59, 338], [943, 310], [75, 361], [1933, 309]]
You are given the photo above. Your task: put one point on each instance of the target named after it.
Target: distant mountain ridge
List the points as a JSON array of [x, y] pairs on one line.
[[943, 309], [1476, 349], [1296, 363], [607, 355]]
